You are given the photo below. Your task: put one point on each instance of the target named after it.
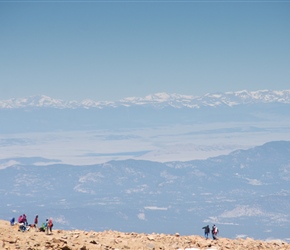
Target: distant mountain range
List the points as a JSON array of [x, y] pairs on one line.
[[42, 113], [158, 100], [246, 193]]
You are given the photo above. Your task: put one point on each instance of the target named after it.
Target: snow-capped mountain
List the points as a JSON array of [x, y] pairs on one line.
[[42, 113], [159, 100]]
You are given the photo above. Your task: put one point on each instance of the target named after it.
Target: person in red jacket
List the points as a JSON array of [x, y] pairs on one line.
[[214, 232], [49, 226], [20, 219], [24, 220]]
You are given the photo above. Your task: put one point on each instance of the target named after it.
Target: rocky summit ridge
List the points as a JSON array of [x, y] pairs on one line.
[[113, 240]]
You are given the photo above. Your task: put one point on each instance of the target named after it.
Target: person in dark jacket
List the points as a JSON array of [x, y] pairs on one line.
[[36, 223], [206, 231]]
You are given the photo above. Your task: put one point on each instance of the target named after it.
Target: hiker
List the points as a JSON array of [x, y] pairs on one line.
[[49, 226], [24, 220], [46, 226], [206, 231], [42, 228], [36, 223], [22, 227], [12, 221], [20, 219], [214, 232]]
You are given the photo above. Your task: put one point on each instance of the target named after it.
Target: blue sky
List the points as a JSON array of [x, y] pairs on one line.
[[101, 50]]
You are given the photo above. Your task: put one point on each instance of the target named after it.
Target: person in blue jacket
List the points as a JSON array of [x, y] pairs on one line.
[[12, 221]]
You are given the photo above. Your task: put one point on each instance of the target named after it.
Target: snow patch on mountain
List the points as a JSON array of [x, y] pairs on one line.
[[8, 163], [243, 210]]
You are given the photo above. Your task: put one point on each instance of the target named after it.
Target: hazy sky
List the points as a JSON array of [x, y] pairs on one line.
[[108, 50]]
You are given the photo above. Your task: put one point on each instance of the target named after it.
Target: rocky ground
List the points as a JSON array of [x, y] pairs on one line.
[[81, 240]]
